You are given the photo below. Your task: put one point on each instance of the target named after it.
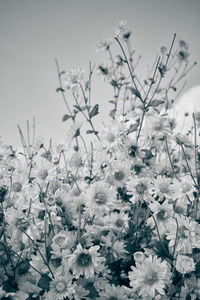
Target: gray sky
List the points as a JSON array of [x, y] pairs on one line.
[[33, 32]]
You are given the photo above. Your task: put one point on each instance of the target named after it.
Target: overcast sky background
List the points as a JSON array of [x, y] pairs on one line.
[[33, 33]]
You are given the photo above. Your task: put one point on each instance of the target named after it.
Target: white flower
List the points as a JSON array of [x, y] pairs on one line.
[[150, 277], [113, 292], [61, 287], [85, 261], [74, 77], [100, 197], [184, 264]]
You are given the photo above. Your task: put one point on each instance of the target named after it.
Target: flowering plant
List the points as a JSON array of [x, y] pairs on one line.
[[116, 217]]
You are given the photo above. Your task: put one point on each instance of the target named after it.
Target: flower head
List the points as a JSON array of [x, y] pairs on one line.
[[100, 197], [74, 77], [61, 287], [112, 292], [85, 261], [184, 264], [150, 277]]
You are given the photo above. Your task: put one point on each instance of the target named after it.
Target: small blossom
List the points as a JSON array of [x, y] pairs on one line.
[[184, 264]]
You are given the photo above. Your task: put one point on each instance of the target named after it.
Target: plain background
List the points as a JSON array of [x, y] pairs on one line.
[[34, 32]]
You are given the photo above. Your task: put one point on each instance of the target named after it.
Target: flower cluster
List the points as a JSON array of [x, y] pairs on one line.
[[115, 218]]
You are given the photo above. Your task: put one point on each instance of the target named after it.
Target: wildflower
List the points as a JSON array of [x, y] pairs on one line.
[[162, 187], [184, 264], [62, 242], [191, 288], [150, 277], [115, 248], [139, 256], [104, 44], [123, 31], [85, 261], [100, 197], [188, 235], [61, 287], [73, 132], [183, 44], [74, 77], [162, 214], [119, 174], [140, 188], [43, 170], [183, 54], [112, 292], [117, 221]]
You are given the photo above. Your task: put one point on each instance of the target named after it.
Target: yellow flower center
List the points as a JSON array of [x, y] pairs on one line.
[[100, 198], [151, 278], [60, 286], [84, 259], [43, 174], [119, 175]]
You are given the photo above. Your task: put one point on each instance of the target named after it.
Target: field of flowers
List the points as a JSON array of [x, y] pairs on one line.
[[110, 213]]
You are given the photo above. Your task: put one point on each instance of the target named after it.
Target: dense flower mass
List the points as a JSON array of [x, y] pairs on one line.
[[110, 213]]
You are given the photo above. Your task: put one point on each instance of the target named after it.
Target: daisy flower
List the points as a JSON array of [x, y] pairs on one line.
[[43, 170], [188, 235], [100, 197], [150, 277], [112, 292], [74, 77], [184, 264], [119, 173], [85, 261], [123, 30], [158, 126], [61, 287], [117, 221], [140, 188], [73, 132], [62, 242], [104, 44], [162, 187], [162, 213], [113, 247]]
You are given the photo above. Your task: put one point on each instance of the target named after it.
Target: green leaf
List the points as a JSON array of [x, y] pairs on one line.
[[133, 127], [44, 282], [82, 108], [66, 117], [61, 73], [114, 83], [156, 102], [112, 113], [94, 111], [77, 132], [135, 92], [59, 90], [91, 131]]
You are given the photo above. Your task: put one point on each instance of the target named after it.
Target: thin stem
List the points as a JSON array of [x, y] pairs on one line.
[[141, 123], [167, 148], [153, 79], [195, 145], [23, 143], [176, 238], [130, 71], [185, 157], [172, 44], [164, 68], [61, 86], [28, 139], [33, 139], [45, 261], [124, 101], [90, 83]]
